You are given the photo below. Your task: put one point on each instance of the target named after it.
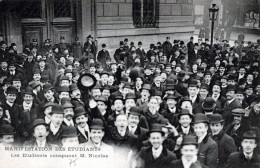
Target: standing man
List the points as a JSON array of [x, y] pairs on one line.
[[103, 55]]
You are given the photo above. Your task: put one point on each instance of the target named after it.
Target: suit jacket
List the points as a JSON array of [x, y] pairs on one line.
[[172, 117], [141, 104], [180, 131], [82, 138], [226, 146], [164, 160], [55, 139], [103, 56], [227, 111], [151, 119], [179, 164], [238, 160], [208, 152], [197, 106]]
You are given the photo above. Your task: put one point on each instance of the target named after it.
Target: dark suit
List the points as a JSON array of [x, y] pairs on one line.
[[179, 164], [238, 160], [227, 111], [208, 152], [103, 56], [55, 139], [197, 106], [172, 117], [82, 138], [163, 161], [156, 118]]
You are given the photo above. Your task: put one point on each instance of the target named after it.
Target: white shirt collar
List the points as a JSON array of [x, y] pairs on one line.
[[157, 152], [230, 101], [193, 99], [248, 155], [42, 143], [122, 133], [132, 129], [47, 120], [84, 130], [69, 123], [10, 104], [185, 130], [200, 139], [173, 110], [187, 163], [27, 106], [53, 129]]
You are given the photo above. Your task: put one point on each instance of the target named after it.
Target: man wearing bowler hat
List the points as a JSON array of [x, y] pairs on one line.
[[226, 144], [62, 45], [90, 47], [103, 55], [189, 152], [247, 157], [6, 136], [40, 134], [145, 95], [209, 106], [193, 90], [208, 148], [69, 137], [171, 112], [48, 92], [185, 119], [119, 52], [156, 155], [68, 112], [140, 51], [81, 120]]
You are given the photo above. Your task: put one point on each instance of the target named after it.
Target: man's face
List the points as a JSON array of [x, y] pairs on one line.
[[17, 84], [186, 105], [111, 80], [237, 119], [96, 92], [81, 121], [7, 140], [28, 98], [157, 80], [49, 94], [249, 91], [114, 67], [47, 111], [119, 105], [96, 135], [57, 119], [76, 94], [216, 89], [250, 77], [178, 69], [11, 98], [189, 152], [248, 145], [101, 106], [171, 103], [240, 97], [222, 69], [106, 93], [163, 77], [153, 104], [216, 128], [242, 71], [68, 113], [156, 139], [193, 91], [230, 95], [168, 70], [133, 120], [139, 82], [257, 89], [4, 65], [42, 63], [12, 68], [185, 120], [200, 129], [70, 142], [129, 103], [40, 132], [207, 78], [37, 77], [64, 95], [204, 93], [104, 78], [121, 122], [231, 82]]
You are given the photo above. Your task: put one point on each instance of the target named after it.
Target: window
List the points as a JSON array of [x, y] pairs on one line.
[[31, 9], [145, 13], [62, 8]]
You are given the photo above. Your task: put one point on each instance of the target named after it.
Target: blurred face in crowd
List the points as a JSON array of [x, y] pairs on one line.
[[118, 105], [193, 91], [63, 60], [240, 97], [207, 78], [139, 82], [28, 98], [101, 106], [70, 142], [114, 67], [178, 69], [42, 63], [186, 105], [156, 139], [216, 89], [257, 89], [249, 91], [222, 70], [189, 152], [17, 84], [153, 105], [212, 70], [69, 75], [168, 69], [11, 97], [47, 111], [96, 135], [200, 129], [76, 94], [129, 103], [237, 119], [37, 77], [185, 120], [106, 93], [49, 95], [145, 93], [248, 145], [121, 122], [242, 71], [203, 93], [111, 80], [81, 121], [163, 77], [217, 63], [7, 140], [250, 78], [40, 132], [57, 119], [171, 103], [96, 92], [231, 82], [4, 65], [148, 71], [104, 78], [133, 120], [216, 128], [203, 65], [230, 95], [64, 95], [157, 80], [68, 113], [12, 68], [1, 112]]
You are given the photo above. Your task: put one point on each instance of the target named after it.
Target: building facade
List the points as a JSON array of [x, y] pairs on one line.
[[108, 21]]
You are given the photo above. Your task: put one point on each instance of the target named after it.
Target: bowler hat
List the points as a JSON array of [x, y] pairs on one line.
[[121, 43], [7, 81], [189, 140], [193, 83], [204, 86], [11, 90], [78, 111], [104, 45], [101, 98], [46, 87], [39, 121], [200, 118], [215, 119], [64, 89], [130, 96], [89, 36], [157, 93], [57, 109], [171, 96], [6, 130], [155, 128], [48, 104], [169, 87], [28, 91], [69, 132], [135, 111], [249, 135], [231, 88], [146, 87], [73, 87], [238, 112], [209, 104], [140, 43], [184, 112], [97, 124]]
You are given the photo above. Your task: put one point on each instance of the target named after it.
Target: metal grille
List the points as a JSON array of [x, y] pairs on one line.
[[31, 9], [144, 13], [62, 8]]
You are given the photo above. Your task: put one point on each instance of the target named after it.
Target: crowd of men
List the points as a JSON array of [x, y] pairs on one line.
[[175, 105]]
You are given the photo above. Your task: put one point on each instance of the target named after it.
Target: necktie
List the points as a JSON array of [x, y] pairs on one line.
[[155, 155]]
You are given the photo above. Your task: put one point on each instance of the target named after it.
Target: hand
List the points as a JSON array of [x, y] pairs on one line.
[[172, 129], [92, 103]]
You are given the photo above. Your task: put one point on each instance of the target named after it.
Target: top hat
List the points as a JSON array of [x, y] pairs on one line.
[[11, 90], [189, 140], [184, 112], [78, 111], [6, 130], [69, 132], [200, 118], [135, 111], [209, 104], [56, 109], [215, 119], [97, 124], [249, 135], [155, 128], [39, 121]]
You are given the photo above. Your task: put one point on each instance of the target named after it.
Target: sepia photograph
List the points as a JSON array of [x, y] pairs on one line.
[[129, 83]]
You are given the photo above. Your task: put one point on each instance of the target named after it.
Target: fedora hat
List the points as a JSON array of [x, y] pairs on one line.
[[146, 87], [28, 91], [215, 119], [171, 96], [11, 90], [97, 124], [189, 140], [35, 84], [200, 118], [209, 104]]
